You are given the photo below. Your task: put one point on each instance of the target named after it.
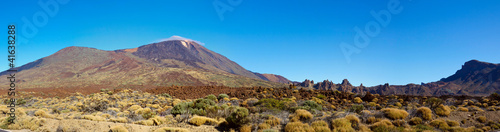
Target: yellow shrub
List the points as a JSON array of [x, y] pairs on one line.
[[145, 122], [416, 120], [452, 123], [364, 128], [201, 120], [320, 126], [118, 129], [475, 108], [114, 109], [156, 106], [158, 120], [134, 107], [25, 122], [246, 128], [333, 106], [463, 109], [171, 129], [366, 112], [352, 118], [298, 127], [442, 110], [371, 120], [398, 104], [20, 112], [73, 108], [393, 113], [94, 118], [273, 121], [342, 125], [382, 123], [119, 120], [42, 113], [263, 126], [481, 119], [357, 100], [106, 115], [301, 115], [439, 123], [425, 112]]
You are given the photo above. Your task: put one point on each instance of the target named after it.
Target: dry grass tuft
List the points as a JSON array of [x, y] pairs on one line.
[[439, 123], [119, 120], [201, 120], [301, 115], [481, 119], [320, 126], [273, 121], [463, 109], [171, 129], [298, 127], [94, 118], [416, 120], [352, 118], [394, 114], [342, 124], [452, 123], [425, 112], [382, 124], [442, 110], [357, 100], [263, 126], [42, 113], [246, 128], [118, 129]]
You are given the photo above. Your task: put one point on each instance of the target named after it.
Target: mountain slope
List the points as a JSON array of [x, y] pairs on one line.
[[173, 62], [192, 54]]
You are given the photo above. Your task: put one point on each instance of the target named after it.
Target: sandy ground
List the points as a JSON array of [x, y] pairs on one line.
[[472, 116], [100, 126]]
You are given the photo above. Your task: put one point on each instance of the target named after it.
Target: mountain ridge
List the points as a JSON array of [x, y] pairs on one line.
[[474, 78]]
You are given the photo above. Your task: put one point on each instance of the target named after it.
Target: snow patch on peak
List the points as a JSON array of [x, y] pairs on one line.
[[184, 44], [183, 40]]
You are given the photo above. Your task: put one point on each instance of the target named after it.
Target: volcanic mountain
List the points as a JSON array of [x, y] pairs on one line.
[[176, 61], [474, 78]]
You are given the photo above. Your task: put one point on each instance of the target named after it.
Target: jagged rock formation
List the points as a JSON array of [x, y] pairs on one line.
[[474, 78]]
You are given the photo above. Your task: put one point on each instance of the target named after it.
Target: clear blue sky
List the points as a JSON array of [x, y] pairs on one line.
[[426, 41]]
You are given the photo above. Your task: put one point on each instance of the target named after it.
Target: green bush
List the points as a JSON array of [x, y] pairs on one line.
[[181, 108], [166, 95], [321, 96], [357, 108], [293, 109], [222, 96], [434, 102], [148, 115], [421, 127], [313, 105], [238, 116], [196, 111], [203, 103], [211, 97], [271, 104]]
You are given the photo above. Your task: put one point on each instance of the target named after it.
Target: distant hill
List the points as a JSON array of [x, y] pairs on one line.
[[178, 61], [475, 78]]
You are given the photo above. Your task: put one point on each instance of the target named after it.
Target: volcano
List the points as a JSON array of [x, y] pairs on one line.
[[174, 61]]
